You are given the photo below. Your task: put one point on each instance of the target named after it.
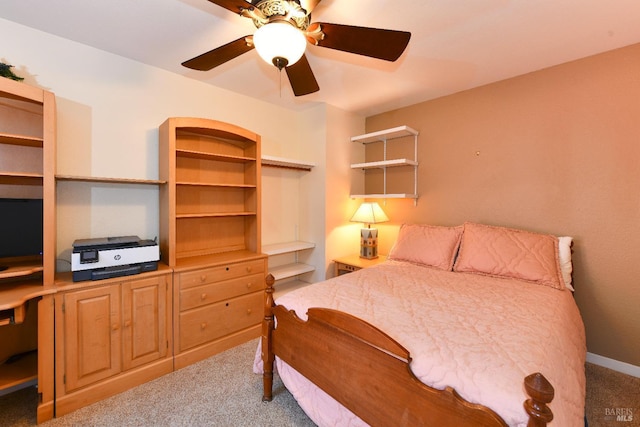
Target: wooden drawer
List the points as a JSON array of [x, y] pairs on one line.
[[218, 274], [205, 324], [212, 292]]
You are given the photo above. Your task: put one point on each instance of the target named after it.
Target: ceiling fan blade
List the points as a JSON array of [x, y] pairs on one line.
[[301, 77], [309, 5], [220, 55], [235, 6], [373, 42]]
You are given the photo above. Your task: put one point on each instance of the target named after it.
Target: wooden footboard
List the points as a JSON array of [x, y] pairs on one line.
[[368, 372]]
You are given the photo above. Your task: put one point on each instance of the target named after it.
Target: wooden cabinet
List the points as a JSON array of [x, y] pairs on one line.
[[27, 167], [111, 335], [211, 203], [210, 234], [218, 308]]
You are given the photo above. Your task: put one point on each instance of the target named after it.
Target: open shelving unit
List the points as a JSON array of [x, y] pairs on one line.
[[383, 164], [284, 257], [27, 167], [293, 269]]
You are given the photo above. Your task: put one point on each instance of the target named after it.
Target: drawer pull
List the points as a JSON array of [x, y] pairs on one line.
[[248, 311], [248, 269], [203, 278], [127, 323], [203, 325], [115, 327], [249, 285], [203, 296]]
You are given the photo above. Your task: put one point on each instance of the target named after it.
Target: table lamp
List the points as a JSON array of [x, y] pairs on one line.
[[369, 213]]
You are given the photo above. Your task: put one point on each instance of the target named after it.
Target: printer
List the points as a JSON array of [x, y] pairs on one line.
[[103, 258]]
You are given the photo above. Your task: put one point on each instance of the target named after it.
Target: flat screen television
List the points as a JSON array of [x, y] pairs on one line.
[[20, 227]]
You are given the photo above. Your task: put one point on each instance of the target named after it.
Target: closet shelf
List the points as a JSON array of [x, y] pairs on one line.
[[385, 196], [290, 270], [109, 180], [280, 162], [286, 247]]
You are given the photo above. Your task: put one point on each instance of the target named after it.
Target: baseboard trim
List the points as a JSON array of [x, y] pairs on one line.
[[616, 365]]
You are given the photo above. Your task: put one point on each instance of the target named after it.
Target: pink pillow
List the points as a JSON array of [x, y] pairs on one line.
[[506, 252], [431, 245]]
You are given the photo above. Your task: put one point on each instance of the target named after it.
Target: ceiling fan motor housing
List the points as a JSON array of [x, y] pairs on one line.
[[282, 10]]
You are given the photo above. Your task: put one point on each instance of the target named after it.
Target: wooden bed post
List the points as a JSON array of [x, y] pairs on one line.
[[267, 352], [541, 393]]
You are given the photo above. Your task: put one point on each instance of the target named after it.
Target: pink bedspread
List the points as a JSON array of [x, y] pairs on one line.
[[477, 334]]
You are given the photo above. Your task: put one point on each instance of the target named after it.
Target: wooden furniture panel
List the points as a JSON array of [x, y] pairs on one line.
[[92, 335], [205, 324], [144, 321], [210, 233], [27, 167], [111, 335], [206, 294], [197, 199], [220, 273], [211, 203]]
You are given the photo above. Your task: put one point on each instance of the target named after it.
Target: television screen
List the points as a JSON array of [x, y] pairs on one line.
[[20, 227]]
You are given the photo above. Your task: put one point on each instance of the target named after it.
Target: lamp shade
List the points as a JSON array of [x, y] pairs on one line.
[[279, 40], [369, 213]]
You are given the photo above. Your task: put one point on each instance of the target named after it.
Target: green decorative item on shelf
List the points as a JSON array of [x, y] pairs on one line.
[[5, 71]]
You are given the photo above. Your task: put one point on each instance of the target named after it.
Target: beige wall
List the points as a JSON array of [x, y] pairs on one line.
[[109, 109], [555, 151]]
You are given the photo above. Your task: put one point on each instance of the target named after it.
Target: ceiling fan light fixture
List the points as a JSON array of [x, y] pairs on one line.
[[279, 42]]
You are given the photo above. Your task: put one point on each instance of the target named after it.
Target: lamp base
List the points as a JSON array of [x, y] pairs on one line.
[[369, 243]]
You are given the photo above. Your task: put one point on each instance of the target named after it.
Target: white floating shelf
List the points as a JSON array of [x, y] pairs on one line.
[[384, 135], [384, 163], [290, 270], [384, 196], [281, 162], [287, 247]]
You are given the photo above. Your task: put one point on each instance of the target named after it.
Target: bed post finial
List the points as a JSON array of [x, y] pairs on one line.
[[267, 353], [541, 393]]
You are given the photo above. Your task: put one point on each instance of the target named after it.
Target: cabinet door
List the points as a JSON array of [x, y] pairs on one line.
[[144, 321], [92, 335]]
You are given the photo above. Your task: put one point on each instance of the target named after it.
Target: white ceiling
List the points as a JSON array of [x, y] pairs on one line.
[[455, 44]]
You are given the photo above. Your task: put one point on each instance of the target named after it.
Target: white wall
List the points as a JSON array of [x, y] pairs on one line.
[[109, 110]]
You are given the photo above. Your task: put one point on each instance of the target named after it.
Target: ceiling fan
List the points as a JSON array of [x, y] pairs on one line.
[[284, 28]]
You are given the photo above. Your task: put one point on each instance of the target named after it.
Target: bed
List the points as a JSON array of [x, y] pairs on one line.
[[461, 326]]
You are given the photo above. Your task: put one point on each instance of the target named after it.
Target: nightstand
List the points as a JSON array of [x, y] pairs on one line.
[[354, 263]]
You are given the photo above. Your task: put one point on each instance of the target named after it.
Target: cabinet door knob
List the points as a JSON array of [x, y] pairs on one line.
[[127, 323], [115, 327]]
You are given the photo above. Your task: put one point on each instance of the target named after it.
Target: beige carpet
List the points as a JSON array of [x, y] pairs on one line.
[[222, 391]]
